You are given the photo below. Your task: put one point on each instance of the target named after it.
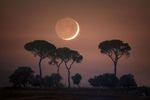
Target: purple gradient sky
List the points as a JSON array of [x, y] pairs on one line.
[[26, 20]]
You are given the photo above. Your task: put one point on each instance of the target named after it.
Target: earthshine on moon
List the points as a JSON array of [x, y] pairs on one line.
[[67, 28]]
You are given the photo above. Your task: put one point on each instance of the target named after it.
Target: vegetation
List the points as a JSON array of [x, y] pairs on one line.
[[36, 81], [107, 84], [110, 81], [114, 49], [21, 76], [41, 48], [57, 58], [68, 57], [53, 80], [76, 79], [128, 81], [105, 80]]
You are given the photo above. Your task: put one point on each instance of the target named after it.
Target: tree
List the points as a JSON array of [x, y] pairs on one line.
[[109, 80], [21, 76], [57, 58], [69, 57], [128, 81], [36, 81], [41, 48], [95, 82], [114, 49], [76, 79], [74, 57], [53, 80], [105, 80]]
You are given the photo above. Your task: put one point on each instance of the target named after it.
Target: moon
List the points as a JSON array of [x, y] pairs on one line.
[[67, 28]]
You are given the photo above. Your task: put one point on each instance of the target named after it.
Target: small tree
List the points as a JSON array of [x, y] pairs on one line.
[[36, 81], [95, 82], [114, 49], [41, 48], [21, 76], [128, 81], [76, 79], [109, 80], [53, 80]]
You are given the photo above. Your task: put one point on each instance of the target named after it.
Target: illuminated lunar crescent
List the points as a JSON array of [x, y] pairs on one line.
[[67, 28]]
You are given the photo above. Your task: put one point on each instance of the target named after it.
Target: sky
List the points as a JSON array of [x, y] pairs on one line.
[[23, 21]]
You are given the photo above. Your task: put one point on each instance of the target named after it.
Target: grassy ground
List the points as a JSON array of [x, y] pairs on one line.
[[71, 94]]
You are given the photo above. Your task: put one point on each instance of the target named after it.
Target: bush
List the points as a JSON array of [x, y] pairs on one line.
[[36, 81], [105, 80], [76, 79], [95, 82], [109, 80], [53, 80], [127, 81], [21, 76]]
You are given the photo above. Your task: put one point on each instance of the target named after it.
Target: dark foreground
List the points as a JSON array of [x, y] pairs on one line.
[[72, 94]]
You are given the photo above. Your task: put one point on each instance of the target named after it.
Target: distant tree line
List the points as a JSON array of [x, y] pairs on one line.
[[109, 80], [114, 49]]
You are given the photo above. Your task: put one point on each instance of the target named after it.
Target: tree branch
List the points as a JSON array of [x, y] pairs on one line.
[[71, 64]]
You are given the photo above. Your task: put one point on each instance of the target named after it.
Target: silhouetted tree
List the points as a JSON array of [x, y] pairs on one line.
[[53, 80], [128, 81], [114, 49], [75, 57], [109, 80], [144, 91], [95, 82], [69, 57], [36, 81], [57, 59], [105, 80], [21, 76], [41, 48], [76, 79]]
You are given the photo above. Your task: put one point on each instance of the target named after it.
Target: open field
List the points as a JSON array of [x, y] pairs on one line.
[[70, 94]]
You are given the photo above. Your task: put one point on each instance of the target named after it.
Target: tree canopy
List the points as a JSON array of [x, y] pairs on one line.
[[69, 57], [53, 80], [41, 48], [114, 49], [21, 76], [58, 58], [127, 81], [76, 79], [104, 80]]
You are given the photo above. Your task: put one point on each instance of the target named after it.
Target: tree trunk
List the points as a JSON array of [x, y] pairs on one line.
[[40, 69], [68, 78], [68, 68], [57, 70], [115, 68], [58, 66]]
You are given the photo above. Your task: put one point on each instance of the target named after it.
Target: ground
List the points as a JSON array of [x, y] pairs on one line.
[[71, 94]]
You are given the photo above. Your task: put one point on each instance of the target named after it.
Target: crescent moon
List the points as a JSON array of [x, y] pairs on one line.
[[67, 28], [76, 34]]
